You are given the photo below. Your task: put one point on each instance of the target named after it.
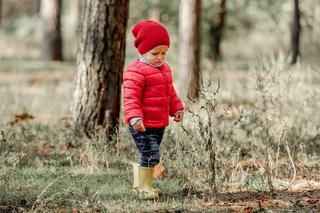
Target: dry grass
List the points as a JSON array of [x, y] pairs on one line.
[[260, 117]]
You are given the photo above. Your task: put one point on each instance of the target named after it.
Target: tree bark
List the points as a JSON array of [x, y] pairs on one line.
[[216, 30], [100, 61], [295, 33], [189, 46], [51, 38]]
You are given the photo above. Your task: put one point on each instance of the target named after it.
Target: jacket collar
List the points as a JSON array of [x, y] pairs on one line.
[[143, 60]]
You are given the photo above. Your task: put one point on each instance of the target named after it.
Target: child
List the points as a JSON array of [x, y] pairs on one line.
[[149, 100]]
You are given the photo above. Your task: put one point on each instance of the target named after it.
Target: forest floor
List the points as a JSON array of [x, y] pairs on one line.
[[49, 184], [40, 171]]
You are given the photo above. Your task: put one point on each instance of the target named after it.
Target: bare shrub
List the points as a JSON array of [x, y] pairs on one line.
[[249, 144], [198, 156]]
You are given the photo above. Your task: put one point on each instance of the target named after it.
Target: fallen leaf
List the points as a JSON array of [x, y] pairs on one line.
[[248, 209], [312, 201], [20, 118], [212, 203], [158, 171]]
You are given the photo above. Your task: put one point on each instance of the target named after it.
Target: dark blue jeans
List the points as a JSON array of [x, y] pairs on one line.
[[148, 143]]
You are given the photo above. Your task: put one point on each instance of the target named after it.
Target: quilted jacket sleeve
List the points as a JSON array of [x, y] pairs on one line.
[[133, 83], [175, 102]]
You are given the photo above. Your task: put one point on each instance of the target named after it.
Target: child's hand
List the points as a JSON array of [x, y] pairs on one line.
[[178, 116], [139, 126]]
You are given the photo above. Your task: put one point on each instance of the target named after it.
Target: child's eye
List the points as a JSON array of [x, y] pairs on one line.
[[154, 53]]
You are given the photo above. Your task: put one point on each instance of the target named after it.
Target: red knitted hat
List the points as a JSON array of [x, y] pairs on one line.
[[149, 34]]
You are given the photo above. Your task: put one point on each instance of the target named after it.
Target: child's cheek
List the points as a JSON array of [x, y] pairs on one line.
[[150, 58]]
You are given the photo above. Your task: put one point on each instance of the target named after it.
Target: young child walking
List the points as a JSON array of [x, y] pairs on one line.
[[149, 100]]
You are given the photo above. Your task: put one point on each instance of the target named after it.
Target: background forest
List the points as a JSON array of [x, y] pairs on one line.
[[250, 139]]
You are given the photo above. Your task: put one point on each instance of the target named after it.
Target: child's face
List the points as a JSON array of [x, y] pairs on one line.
[[157, 55]]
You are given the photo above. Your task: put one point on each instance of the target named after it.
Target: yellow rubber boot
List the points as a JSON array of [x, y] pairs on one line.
[[135, 185], [145, 183]]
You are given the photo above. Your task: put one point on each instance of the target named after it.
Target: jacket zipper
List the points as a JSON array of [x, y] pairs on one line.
[[166, 81], [167, 87]]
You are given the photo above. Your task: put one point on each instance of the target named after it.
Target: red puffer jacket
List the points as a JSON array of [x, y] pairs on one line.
[[148, 93]]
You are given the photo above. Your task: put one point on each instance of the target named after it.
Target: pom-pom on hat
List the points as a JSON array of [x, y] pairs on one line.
[[149, 34]]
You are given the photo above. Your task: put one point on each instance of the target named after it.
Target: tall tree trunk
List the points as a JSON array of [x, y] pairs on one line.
[[100, 61], [51, 45], [216, 30], [0, 13], [189, 46], [295, 33]]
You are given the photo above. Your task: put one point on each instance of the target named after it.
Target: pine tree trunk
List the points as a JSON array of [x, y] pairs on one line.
[[216, 30], [51, 38], [100, 61], [189, 46], [0, 13], [295, 33]]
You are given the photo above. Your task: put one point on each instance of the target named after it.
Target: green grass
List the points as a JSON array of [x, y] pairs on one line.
[[44, 170], [71, 186], [32, 178], [80, 188]]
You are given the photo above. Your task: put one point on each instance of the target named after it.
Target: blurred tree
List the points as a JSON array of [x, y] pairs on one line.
[[216, 30], [295, 33], [189, 46], [152, 9], [36, 6], [0, 12], [51, 45], [75, 14], [100, 61]]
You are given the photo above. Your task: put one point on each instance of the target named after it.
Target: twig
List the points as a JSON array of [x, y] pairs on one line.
[[45, 189], [277, 159], [98, 192], [291, 160]]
